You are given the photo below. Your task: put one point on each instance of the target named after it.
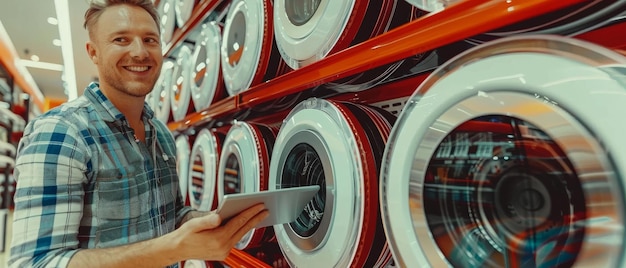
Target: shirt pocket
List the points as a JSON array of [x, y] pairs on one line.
[[118, 197], [118, 207], [173, 179], [167, 177]]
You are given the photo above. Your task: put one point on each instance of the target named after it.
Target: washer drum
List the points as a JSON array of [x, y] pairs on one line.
[[7, 149], [183, 10], [203, 170], [493, 164], [183, 154], [244, 168], [167, 12], [159, 97], [307, 31], [338, 146], [198, 264], [207, 84], [431, 5], [181, 84], [248, 53]]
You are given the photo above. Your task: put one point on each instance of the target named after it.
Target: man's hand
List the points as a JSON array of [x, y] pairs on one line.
[[204, 237]]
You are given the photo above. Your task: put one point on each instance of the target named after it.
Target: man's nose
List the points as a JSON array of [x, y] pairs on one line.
[[138, 49]]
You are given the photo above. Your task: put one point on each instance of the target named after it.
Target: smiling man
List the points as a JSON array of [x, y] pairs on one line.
[[96, 177]]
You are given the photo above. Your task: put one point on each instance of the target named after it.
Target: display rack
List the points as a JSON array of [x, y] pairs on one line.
[[200, 12], [26, 84], [457, 22], [238, 258]]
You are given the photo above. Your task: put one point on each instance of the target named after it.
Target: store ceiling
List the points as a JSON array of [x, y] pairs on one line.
[[26, 23]]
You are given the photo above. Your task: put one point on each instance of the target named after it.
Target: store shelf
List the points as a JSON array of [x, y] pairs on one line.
[[200, 13], [238, 258], [611, 37], [465, 19], [20, 76]]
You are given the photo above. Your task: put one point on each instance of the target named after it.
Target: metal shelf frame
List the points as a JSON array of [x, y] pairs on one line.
[[457, 22]]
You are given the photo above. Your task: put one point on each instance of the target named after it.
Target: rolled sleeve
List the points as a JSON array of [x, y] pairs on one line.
[[50, 174]]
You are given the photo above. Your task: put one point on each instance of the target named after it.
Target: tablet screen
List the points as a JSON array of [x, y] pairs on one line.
[[284, 205]]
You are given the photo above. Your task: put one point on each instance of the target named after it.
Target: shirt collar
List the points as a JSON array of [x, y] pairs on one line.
[[105, 107]]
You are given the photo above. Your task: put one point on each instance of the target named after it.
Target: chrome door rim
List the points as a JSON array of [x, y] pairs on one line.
[[244, 17], [183, 153], [332, 130], [429, 113], [181, 80], [304, 44], [207, 60], [206, 148]]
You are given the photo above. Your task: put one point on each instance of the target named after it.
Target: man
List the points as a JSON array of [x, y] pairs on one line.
[[96, 178]]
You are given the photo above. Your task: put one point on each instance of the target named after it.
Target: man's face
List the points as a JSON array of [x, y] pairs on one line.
[[125, 46]]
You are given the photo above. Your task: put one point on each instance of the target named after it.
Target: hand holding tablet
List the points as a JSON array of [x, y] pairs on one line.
[[284, 205]]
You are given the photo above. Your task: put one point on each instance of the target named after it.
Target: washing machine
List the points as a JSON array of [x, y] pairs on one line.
[[183, 155], [511, 155], [244, 168], [338, 146], [203, 169], [248, 53]]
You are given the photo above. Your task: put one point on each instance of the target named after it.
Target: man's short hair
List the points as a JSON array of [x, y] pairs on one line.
[[96, 7]]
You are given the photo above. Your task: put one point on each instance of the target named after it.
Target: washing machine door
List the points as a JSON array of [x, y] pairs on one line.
[[181, 84], [7, 149], [167, 15], [183, 10], [203, 169], [511, 155], [308, 31], [160, 97], [336, 145], [183, 155], [243, 168], [207, 84], [248, 53], [198, 264]]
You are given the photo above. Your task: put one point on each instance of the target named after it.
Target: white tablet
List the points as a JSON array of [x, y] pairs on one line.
[[284, 205]]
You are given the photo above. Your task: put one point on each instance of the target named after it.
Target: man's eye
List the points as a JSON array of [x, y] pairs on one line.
[[152, 40]]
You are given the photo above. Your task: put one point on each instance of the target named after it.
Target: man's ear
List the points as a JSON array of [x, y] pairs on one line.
[[91, 51]]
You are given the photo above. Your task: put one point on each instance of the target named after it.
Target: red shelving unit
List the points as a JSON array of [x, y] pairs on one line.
[[465, 19], [455, 23]]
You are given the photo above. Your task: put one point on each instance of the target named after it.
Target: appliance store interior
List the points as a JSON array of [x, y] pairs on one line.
[[439, 133]]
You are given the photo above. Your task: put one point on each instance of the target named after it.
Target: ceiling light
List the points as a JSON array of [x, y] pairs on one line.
[[53, 21], [30, 86], [34, 58], [65, 32], [56, 42], [41, 65]]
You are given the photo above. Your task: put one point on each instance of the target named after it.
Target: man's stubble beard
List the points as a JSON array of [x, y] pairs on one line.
[[127, 88]]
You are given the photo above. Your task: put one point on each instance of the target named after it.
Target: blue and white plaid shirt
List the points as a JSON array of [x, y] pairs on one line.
[[84, 182]]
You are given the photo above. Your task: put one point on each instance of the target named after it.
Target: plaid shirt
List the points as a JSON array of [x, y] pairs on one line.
[[84, 182]]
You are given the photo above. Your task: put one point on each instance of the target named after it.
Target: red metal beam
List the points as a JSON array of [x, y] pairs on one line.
[[459, 21]]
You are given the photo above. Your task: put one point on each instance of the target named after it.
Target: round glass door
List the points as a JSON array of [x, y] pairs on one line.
[[493, 164]]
